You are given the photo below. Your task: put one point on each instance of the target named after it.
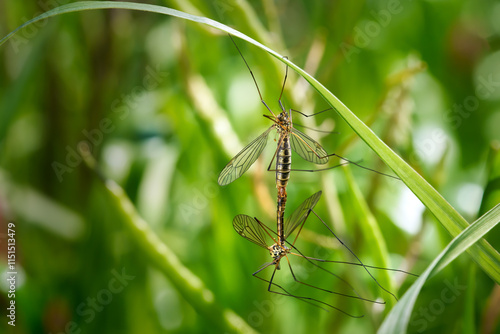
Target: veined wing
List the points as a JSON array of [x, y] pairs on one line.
[[250, 229], [300, 214], [243, 160], [308, 148]]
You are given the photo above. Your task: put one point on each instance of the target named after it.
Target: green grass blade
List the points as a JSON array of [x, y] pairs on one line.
[[159, 254], [372, 235], [93, 5], [397, 320]]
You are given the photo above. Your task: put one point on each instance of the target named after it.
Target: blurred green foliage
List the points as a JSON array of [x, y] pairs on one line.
[[164, 104]]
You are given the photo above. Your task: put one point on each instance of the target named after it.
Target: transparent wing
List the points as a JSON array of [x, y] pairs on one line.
[[243, 160], [308, 148], [300, 214], [250, 229]]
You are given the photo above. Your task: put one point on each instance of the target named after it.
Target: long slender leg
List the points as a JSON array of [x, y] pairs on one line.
[[311, 170], [354, 163], [313, 129], [354, 264], [285, 292], [357, 258], [317, 113], [329, 291], [283, 87], [324, 269], [253, 77], [331, 155], [309, 300], [347, 162]]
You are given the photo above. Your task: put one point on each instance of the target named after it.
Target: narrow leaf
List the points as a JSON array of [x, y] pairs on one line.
[[397, 320]]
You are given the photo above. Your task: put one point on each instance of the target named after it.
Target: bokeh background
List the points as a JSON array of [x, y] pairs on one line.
[[163, 104]]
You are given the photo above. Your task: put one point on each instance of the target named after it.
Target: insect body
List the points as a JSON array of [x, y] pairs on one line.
[[255, 231]]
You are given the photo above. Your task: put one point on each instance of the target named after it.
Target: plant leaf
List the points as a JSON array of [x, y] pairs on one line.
[[372, 234], [398, 318], [164, 258]]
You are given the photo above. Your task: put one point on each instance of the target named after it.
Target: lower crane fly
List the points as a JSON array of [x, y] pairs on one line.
[[255, 231]]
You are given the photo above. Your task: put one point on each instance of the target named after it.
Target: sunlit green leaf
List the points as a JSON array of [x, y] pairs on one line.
[[398, 319]]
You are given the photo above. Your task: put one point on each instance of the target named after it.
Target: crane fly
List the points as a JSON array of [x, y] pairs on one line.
[[289, 137], [255, 231]]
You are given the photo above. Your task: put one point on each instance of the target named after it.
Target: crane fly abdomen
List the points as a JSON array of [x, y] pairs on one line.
[[283, 163]]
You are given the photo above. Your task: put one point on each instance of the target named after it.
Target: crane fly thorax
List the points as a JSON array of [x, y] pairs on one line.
[[277, 252]]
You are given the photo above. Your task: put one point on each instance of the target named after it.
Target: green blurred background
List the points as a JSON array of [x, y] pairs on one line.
[[164, 104]]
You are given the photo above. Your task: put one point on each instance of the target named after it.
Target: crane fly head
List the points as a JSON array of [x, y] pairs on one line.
[[284, 118], [283, 122]]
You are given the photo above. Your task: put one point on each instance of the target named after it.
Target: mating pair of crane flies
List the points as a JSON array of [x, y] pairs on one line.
[[255, 231]]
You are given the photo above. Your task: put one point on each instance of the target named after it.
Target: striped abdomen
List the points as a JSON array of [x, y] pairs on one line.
[[283, 162]]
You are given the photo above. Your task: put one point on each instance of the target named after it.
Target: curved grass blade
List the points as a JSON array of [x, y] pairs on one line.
[[398, 318], [159, 254], [372, 235]]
